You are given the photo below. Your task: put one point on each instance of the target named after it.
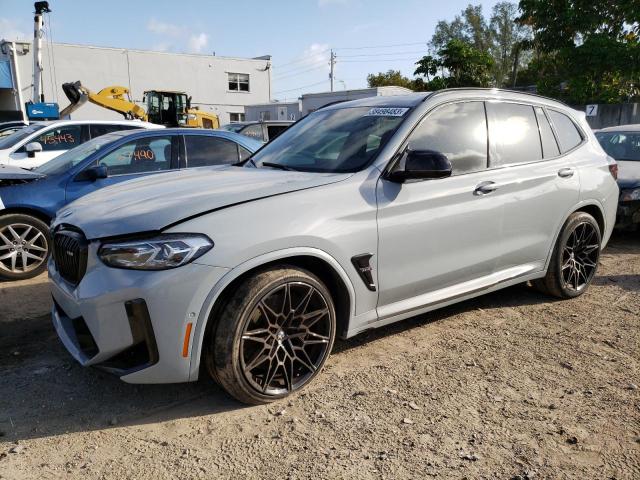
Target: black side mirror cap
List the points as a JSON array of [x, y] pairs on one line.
[[421, 165], [92, 174]]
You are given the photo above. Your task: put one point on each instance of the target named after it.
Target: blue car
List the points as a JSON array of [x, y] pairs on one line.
[[29, 199]]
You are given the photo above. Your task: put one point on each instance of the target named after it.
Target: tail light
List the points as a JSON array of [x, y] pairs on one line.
[[613, 170]]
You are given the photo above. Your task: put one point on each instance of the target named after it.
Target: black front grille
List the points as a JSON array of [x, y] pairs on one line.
[[70, 254]]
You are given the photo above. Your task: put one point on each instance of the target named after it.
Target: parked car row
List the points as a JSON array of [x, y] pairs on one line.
[[29, 199], [361, 214]]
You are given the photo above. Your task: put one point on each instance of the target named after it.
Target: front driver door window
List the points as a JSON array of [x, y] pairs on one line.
[[144, 156], [435, 234]]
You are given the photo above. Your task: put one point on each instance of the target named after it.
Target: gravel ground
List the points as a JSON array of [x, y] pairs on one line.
[[511, 385]]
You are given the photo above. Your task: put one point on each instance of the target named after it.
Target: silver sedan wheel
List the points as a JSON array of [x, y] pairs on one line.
[[23, 248]]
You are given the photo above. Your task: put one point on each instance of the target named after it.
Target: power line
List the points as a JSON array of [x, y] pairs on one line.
[[381, 46], [318, 67], [372, 60], [383, 54], [299, 88]]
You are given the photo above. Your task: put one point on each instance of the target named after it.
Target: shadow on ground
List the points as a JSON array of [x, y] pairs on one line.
[[45, 393]]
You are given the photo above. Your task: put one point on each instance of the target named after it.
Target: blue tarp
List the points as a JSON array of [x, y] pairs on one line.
[[6, 79]]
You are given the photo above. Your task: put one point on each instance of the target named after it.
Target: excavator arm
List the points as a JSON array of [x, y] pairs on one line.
[[113, 98]]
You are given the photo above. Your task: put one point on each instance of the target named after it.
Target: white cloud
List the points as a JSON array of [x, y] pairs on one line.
[[11, 30], [316, 54], [198, 42], [176, 38], [162, 28]]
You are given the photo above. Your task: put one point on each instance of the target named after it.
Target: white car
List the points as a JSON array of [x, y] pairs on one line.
[[361, 214], [40, 142]]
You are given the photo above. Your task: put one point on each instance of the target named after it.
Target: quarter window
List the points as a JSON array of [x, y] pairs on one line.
[[568, 134], [60, 138], [203, 151], [238, 82], [458, 130], [139, 156], [514, 135], [549, 145]]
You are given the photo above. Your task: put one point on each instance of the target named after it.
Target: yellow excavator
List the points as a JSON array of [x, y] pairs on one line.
[[168, 108]]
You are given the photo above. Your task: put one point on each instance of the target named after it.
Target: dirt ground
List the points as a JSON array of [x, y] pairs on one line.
[[511, 385]]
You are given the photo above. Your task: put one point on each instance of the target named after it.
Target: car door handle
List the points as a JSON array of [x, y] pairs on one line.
[[485, 188], [566, 172]]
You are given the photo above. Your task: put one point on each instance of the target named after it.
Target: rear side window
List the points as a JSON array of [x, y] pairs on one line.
[[549, 145], [103, 129], [204, 151], [568, 134], [513, 133], [459, 131], [60, 138], [253, 131]]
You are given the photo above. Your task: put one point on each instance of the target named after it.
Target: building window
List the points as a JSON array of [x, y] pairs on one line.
[[236, 117], [266, 115], [238, 82]]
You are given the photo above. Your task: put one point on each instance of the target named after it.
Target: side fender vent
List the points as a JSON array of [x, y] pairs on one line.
[[363, 267]]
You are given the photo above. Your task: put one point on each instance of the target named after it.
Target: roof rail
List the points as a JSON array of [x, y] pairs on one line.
[[484, 89]]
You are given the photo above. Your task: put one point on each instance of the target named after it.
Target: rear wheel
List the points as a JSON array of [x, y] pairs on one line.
[[24, 246], [575, 258], [273, 336]]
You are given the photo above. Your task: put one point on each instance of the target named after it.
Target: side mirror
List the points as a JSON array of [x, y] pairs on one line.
[[32, 148], [92, 174], [421, 165]]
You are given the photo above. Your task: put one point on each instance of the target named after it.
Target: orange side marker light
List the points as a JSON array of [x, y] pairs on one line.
[[187, 337]]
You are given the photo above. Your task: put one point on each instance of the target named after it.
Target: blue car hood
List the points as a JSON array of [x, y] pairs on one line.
[[155, 202]]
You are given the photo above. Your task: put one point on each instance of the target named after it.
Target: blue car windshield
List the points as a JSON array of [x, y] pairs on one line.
[[19, 135], [73, 157], [332, 141]]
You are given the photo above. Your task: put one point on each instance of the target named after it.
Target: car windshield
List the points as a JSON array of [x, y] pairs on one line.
[[333, 141], [17, 136], [73, 157], [622, 146]]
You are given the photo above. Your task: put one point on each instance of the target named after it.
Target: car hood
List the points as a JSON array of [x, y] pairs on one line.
[[10, 174], [156, 202]]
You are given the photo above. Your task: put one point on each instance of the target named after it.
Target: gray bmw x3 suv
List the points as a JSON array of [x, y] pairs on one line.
[[362, 214]]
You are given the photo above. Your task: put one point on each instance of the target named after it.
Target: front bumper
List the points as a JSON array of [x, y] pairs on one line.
[[628, 214], [132, 323]]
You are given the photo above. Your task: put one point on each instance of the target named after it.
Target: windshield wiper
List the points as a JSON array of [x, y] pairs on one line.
[[278, 166]]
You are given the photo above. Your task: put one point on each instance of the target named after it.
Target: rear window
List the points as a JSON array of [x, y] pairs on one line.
[[568, 134], [623, 146]]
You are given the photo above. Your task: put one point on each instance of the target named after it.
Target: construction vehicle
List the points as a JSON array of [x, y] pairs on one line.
[[168, 108]]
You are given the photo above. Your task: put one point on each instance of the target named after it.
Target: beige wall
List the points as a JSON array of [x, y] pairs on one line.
[[204, 77]]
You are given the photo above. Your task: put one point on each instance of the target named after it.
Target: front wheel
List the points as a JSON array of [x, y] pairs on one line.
[[575, 258], [273, 336], [24, 246]]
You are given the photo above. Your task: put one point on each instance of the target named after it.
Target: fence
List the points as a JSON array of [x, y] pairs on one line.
[[608, 115]]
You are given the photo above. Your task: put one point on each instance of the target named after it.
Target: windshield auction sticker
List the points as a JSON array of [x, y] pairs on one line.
[[387, 112]]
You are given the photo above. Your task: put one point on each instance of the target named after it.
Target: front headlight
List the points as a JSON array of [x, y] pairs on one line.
[[166, 251], [630, 195]]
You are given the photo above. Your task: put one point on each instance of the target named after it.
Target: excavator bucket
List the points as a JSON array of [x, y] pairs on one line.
[[77, 95]]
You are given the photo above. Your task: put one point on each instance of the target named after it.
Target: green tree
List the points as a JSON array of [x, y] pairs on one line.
[[387, 79], [586, 51], [501, 37]]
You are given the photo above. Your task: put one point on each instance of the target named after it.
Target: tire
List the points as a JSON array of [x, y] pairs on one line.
[[574, 261], [265, 347], [24, 246]]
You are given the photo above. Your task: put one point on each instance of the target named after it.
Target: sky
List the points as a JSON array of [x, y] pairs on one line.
[[368, 36]]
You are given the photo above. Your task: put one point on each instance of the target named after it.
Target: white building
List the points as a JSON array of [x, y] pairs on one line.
[[221, 85], [272, 111]]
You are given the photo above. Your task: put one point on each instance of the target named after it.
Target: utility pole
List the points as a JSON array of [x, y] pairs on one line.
[[41, 8], [332, 62]]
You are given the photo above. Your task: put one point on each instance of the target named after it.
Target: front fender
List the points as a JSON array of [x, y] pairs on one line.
[[231, 275]]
